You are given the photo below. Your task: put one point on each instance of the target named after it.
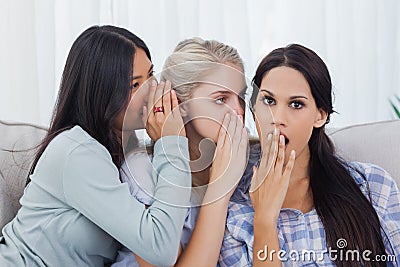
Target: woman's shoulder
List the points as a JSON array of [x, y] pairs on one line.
[[372, 173], [76, 137], [374, 180], [75, 142]]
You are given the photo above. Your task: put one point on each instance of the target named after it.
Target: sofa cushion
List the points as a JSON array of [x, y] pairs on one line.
[[6, 209], [17, 147], [377, 143]]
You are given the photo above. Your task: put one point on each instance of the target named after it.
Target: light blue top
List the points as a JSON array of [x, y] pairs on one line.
[[75, 211], [137, 173]]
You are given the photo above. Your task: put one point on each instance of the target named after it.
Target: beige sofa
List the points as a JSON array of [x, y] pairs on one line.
[[378, 143]]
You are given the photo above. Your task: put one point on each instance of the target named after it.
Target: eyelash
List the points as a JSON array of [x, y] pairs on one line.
[[222, 99], [292, 104], [135, 85], [219, 99]]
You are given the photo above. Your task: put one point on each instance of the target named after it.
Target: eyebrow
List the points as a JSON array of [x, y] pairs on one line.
[[220, 92], [229, 92], [140, 76], [290, 98]]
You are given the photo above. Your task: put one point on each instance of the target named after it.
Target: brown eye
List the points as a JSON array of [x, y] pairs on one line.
[[268, 100], [135, 85], [296, 104]]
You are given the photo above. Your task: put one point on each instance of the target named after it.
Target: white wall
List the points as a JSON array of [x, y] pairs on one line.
[[358, 39]]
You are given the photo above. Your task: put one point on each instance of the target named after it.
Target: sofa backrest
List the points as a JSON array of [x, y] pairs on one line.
[[17, 144], [377, 143]]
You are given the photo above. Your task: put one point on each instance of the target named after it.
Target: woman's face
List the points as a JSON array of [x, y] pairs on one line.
[[222, 91], [285, 101], [132, 117]]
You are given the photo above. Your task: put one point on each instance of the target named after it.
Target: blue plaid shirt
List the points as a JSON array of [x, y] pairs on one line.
[[298, 232]]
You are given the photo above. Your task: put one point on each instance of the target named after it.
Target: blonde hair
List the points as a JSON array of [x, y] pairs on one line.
[[192, 59]]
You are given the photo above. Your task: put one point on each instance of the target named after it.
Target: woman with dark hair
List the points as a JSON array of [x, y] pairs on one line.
[[208, 78], [75, 210], [305, 205]]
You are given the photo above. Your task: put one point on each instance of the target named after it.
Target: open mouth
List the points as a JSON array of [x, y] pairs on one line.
[[286, 138], [286, 141]]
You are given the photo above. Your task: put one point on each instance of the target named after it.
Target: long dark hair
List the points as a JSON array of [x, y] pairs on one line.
[[343, 209], [95, 87]]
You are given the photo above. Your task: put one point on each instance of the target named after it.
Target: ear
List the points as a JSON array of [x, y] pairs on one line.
[[320, 119]]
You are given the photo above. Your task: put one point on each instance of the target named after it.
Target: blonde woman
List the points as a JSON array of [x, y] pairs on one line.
[[208, 79]]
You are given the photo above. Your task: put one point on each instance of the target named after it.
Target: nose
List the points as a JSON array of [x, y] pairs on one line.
[[237, 106], [279, 116]]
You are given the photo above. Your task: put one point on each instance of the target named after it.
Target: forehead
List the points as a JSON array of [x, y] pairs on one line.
[[141, 63], [223, 77], [285, 81]]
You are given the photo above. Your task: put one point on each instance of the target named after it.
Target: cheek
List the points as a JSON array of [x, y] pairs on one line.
[[206, 118], [207, 128], [301, 131], [133, 114], [137, 99]]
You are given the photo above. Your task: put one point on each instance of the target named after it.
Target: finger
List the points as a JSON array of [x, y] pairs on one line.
[[158, 95], [265, 148], [289, 165], [223, 131], [238, 131], [273, 152], [231, 129], [266, 144], [254, 181], [244, 139], [174, 103], [281, 156], [166, 98], [150, 100], [145, 115]]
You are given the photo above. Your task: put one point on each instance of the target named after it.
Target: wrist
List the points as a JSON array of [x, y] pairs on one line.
[[265, 221], [216, 198]]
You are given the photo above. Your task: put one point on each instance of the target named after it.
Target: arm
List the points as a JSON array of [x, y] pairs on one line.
[[268, 190], [224, 177], [92, 187], [225, 174]]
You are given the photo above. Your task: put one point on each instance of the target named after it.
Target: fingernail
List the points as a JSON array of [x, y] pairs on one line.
[[275, 131], [292, 153], [240, 117], [269, 137], [281, 139]]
